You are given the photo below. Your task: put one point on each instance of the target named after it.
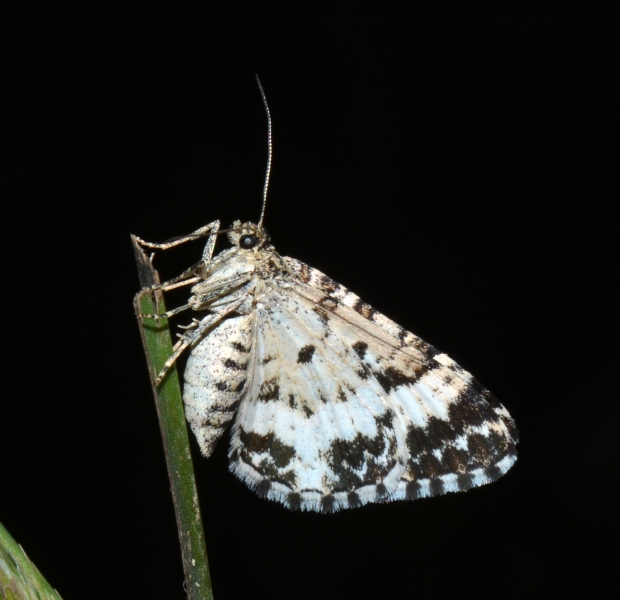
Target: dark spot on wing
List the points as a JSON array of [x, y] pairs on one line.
[[327, 504], [299, 404], [353, 499], [239, 347], [426, 348], [363, 372], [328, 302], [322, 313], [438, 432], [465, 481], [271, 472], [391, 378], [304, 274], [222, 408], [231, 364], [492, 401], [471, 409], [455, 460], [412, 491], [483, 451], [381, 491], [384, 420], [512, 428], [364, 309], [373, 456], [436, 487], [262, 489], [493, 473], [279, 455], [360, 348], [328, 284], [486, 450], [305, 354], [294, 501], [254, 443], [350, 452], [416, 441], [268, 359], [428, 467], [269, 390]]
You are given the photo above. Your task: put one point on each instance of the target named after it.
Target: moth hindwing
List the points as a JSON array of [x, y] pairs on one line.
[[332, 404]]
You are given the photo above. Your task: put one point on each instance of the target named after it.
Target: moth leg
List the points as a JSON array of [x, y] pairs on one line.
[[234, 301], [211, 230], [207, 253], [192, 325], [201, 301], [188, 277], [172, 284], [179, 280], [187, 338], [204, 297], [166, 315]]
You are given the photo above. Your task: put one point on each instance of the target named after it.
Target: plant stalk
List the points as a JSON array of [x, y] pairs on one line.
[[157, 343]]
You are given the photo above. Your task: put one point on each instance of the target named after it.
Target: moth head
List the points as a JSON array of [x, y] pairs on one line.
[[247, 236]]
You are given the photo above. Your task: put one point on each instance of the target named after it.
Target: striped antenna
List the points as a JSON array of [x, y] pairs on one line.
[[270, 147]]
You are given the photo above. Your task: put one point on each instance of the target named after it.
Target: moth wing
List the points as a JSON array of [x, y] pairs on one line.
[[215, 377], [345, 407]]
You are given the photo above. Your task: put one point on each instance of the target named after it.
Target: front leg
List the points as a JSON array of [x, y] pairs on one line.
[[211, 230], [188, 277]]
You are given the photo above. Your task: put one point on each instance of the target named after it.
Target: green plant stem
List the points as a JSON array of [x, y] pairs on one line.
[[158, 348], [19, 578]]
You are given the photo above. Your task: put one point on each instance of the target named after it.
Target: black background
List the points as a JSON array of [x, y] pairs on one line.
[[451, 167]]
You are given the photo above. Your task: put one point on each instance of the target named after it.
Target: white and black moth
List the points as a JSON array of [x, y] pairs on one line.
[[332, 404]]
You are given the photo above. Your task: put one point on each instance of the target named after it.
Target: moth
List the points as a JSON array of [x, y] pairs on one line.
[[332, 404]]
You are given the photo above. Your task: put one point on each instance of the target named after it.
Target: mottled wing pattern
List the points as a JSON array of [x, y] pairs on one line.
[[342, 406], [215, 377]]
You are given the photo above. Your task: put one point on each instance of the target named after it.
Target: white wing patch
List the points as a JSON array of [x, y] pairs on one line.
[[334, 404]]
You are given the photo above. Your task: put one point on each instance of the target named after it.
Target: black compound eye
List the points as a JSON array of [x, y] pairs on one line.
[[247, 241]]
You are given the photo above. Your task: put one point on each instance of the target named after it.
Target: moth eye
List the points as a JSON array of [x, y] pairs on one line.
[[248, 241]]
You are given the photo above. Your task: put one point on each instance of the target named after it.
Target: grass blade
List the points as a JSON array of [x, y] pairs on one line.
[[168, 400], [19, 578]]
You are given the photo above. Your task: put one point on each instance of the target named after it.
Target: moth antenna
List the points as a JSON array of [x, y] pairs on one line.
[[270, 153]]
